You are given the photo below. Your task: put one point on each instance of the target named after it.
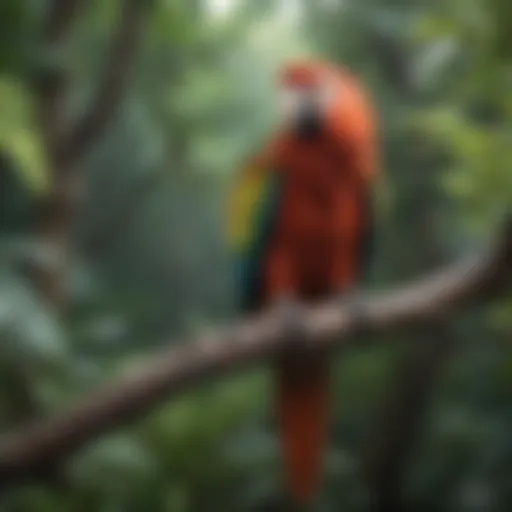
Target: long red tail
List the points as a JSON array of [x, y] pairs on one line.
[[302, 409]]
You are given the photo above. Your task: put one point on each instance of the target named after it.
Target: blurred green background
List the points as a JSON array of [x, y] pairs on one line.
[[428, 412]]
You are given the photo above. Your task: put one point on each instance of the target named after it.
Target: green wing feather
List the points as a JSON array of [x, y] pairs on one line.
[[253, 211]]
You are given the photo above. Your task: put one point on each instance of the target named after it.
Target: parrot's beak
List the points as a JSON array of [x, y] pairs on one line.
[[308, 122]]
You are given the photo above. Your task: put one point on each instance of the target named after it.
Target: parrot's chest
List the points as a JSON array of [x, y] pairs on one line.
[[313, 185]]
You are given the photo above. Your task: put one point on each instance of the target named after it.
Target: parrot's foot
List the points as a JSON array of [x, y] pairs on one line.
[[351, 300], [290, 312]]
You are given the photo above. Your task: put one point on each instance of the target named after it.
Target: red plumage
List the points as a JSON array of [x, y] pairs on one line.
[[315, 248]]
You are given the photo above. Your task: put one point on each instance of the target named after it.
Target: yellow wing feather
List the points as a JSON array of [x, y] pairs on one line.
[[243, 203]]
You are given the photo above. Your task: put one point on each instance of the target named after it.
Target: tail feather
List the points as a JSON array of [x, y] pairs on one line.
[[302, 408]]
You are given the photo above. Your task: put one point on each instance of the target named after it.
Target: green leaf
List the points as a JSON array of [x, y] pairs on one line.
[[18, 135]]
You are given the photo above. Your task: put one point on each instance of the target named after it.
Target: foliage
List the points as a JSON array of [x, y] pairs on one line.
[[19, 140], [151, 262]]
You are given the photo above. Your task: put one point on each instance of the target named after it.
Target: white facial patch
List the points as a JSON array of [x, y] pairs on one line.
[[291, 100]]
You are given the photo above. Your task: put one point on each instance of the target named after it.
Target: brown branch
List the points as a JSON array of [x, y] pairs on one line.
[[51, 87], [56, 211], [35, 449], [387, 455], [51, 79], [109, 94], [400, 421], [399, 425], [60, 16]]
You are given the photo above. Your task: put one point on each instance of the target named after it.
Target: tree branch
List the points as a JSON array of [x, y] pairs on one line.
[[109, 94], [60, 15], [386, 461], [51, 79], [400, 421], [33, 450]]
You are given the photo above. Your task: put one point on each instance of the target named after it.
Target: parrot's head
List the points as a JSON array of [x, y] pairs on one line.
[[318, 98], [308, 93]]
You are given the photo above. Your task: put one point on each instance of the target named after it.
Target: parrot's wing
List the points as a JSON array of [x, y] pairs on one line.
[[252, 214]]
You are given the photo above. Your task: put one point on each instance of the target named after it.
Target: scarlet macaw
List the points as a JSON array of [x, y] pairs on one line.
[[300, 223]]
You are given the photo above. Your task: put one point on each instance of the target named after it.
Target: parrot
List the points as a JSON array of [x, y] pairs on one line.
[[301, 229]]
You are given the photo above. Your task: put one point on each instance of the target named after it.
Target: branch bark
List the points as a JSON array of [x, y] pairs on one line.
[[56, 211], [388, 453], [400, 420], [109, 93], [35, 449], [61, 14]]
